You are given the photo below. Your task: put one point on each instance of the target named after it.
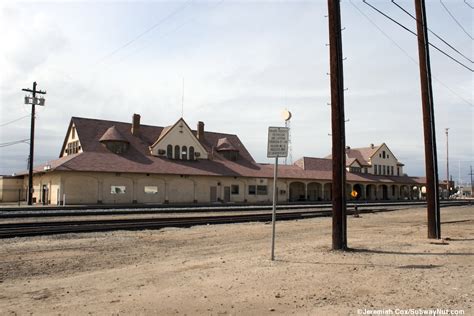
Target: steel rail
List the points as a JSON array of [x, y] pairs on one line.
[[20, 229], [126, 210]]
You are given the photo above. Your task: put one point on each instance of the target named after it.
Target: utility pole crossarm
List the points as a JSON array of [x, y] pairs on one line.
[[33, 91]]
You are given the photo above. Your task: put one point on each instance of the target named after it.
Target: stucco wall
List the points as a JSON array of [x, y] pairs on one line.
[[11, 189], [93, 188], [181, 136], [389, 161], [71, 138]]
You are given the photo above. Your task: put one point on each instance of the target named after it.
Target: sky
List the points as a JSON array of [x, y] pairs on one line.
[[241, 64]]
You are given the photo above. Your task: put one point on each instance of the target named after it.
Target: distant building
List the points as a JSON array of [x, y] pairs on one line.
[[12, 188], [119, 163]]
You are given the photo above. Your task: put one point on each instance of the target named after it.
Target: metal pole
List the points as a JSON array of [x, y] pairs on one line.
[[275, 175], [431, 163], [448, 185], [339, 236]]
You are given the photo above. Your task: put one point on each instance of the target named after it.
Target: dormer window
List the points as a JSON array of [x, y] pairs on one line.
[[355, 169], [117, 147], [227, 149], [114, 141]]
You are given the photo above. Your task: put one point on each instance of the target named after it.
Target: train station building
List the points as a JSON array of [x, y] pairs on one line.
[[107, 162]]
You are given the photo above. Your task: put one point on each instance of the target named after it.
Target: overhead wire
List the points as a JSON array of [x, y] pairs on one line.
[[407, 54], [26, 141], [467, 3], [407, 29], [163, 35], [437, 36], [167, 17], [455, 20], [15, 120]]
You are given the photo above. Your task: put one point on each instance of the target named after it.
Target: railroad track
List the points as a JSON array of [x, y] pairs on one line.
[[74, 225], [127, 210]]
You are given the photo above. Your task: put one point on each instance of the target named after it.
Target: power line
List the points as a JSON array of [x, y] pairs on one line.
[[406, 53], [146, 31], [162, 35], [467, 3], [455, 20], [13, 121], [439, 37], [407, 29], [26, 141]]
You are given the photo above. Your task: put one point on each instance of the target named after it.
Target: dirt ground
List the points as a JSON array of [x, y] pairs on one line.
[[226, 269]]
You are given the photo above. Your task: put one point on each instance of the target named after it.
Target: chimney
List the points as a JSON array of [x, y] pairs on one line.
[[200, 131], [372, 146], [136, 125]]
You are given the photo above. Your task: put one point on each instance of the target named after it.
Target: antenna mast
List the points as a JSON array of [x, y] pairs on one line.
[[182, 101]]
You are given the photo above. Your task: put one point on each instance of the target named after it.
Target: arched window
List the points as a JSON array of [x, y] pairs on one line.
[[169, 151], [191, 153], [176, 152], [184, 153]]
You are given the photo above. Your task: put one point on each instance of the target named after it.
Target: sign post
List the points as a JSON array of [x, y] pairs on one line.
[[277, 147]]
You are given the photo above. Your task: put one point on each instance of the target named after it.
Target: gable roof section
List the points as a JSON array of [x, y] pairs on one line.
[[91, 130], [312, 163], [223, 144], [391, 153], [112, 134], [363, 154], [66, 137], [181, 123], [167, 129], [351, 161]]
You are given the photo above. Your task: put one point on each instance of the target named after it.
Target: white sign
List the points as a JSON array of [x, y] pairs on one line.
[[277, 142], [36, 101]]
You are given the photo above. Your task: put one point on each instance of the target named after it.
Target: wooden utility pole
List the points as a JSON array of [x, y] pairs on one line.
[[431, 163], [33, 101], [339, 226]]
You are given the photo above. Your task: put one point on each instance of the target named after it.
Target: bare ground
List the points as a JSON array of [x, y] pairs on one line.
[[225, 269]]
